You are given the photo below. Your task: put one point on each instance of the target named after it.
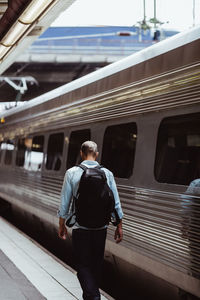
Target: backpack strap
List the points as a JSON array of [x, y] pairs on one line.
[[84, 168], [98, 167], [115, 221]]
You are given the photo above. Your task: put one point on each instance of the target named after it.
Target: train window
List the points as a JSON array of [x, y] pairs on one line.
[[178, 150], [77, 138], [1, 150], [119, 149], [9, 147], [54, 151], [21, 149], [34, 153]]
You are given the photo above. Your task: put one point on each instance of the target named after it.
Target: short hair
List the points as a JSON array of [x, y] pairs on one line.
[[89, 147]]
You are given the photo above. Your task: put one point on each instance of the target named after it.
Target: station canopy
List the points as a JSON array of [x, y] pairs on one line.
[[22, 21]]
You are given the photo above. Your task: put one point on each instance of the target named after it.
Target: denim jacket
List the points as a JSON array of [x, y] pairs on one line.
[[71, 184]]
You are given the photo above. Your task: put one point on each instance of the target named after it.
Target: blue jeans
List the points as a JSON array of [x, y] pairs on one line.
[[88, 250]]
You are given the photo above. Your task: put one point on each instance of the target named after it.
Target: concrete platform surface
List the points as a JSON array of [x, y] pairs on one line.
[[27, 271]]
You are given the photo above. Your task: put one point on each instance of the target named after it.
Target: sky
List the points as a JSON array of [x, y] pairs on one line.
[[175, 14]]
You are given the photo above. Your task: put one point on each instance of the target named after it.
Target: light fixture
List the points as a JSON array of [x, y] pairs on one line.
[[2, 120], [25, 23], [3, 51], [15, 32], [33, 10]]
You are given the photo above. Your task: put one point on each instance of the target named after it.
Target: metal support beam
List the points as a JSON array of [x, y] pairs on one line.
[[155, 24], [19, 84], [22, 87], [194, 21], [22, 82]]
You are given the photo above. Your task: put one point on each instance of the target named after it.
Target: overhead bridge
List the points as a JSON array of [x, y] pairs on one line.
[[102, 44], [63, 54]]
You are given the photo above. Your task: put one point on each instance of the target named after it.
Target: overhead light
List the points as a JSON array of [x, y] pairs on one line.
[[3, 51], [33, 10], [24, 24], [15, 32], [28, 17]]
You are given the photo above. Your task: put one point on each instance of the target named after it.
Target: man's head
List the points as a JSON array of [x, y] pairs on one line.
[[89, 150]]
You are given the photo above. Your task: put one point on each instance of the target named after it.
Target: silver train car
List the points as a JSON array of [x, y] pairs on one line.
[[144, 113]]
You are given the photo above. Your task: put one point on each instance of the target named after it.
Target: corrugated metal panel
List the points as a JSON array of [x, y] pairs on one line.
[[154, 225], [41, 191], [154, 221], [123, 102]]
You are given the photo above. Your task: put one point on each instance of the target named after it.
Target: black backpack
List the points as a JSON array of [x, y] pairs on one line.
[[95, 201]]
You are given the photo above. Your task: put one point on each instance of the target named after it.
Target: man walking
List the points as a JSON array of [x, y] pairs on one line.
[[88, 243]]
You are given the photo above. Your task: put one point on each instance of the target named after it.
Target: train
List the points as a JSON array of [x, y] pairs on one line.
[[144, 113]]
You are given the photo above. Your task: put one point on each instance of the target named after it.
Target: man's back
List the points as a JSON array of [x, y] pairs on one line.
[[72, 178], [88, 243], [94, 202]]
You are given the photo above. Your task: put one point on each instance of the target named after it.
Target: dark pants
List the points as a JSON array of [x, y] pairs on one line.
[[88, 250]]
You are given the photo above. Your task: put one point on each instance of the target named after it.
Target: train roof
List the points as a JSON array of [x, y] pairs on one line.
[[146, 54]]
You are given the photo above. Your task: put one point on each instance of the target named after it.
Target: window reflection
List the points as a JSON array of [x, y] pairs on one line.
[[77, 138], [9, 147], [54, 151], [178, 150], [34, 153], [1, 151], [119, 149], [20, 155]]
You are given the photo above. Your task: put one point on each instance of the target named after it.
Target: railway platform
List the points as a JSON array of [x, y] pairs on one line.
[[28, 271]]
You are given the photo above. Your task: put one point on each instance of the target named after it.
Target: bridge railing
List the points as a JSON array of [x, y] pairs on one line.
[[88, 47]]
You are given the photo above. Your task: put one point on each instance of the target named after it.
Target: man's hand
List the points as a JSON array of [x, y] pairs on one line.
[[119, 233], [62, 232]]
